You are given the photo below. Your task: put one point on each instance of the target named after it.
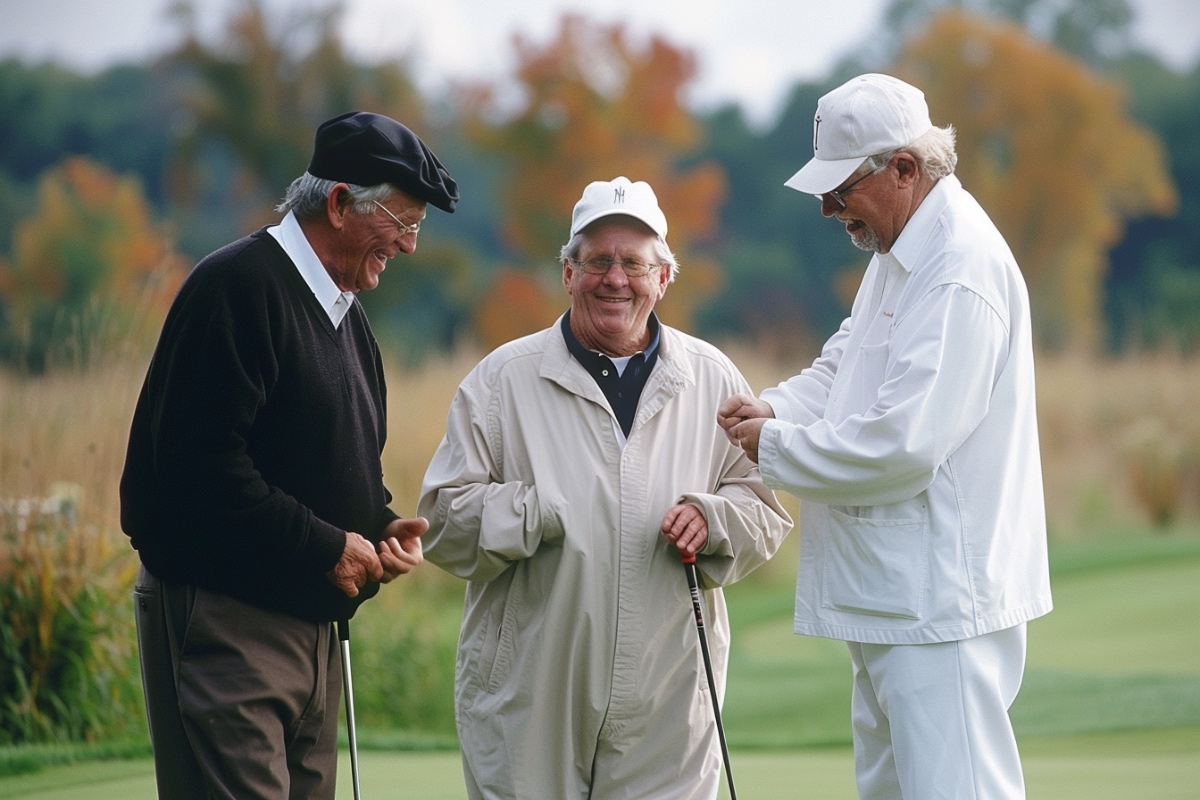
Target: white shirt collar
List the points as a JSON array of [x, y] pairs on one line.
[[293, 241], [912, 239]]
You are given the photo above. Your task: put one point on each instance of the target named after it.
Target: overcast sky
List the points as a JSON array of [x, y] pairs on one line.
[[750, 51]]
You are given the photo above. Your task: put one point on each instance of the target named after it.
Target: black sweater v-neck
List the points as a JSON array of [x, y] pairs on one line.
[[257, 437]]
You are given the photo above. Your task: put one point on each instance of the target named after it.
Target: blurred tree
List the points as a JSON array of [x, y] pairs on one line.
[[119, 117], [260, 93], [518, 303], [87, 267], [255, 99], [1048, 148], [597, 106], [1094, 31], [782, 260], [1153, 297]]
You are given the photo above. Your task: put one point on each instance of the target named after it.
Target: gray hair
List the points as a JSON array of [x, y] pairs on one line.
[[570, 251], [933, 151], [306, 196]]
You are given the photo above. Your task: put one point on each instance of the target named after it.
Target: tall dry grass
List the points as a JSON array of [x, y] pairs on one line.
[[66, 644], [1120, 442]]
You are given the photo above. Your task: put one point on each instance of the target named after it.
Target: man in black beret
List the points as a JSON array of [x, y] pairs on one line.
[[253, 486]]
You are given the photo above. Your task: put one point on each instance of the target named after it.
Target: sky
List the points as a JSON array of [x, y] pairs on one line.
[[749, 51]]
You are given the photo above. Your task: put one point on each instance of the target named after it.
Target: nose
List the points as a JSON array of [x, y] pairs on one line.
[[829, 206], [616, 275], [408, 243]]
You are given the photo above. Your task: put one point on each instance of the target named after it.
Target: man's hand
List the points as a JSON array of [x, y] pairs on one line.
[[400, 551], [742, 418], [746, 435], [739, 408], [686, 528], [358, 564]]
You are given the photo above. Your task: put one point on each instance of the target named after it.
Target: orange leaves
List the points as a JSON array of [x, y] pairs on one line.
[[598, 105], [91, 228], [517, 304], [90, 241], [1048, 149], [262, 92]]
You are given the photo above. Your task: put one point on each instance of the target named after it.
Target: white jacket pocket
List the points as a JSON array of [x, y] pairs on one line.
[[877, 566]]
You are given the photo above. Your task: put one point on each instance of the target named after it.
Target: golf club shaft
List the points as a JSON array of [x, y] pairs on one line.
[[689, 568], [343, 628]]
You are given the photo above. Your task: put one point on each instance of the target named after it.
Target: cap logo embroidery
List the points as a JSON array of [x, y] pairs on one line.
[[816, 129], [619, 195]]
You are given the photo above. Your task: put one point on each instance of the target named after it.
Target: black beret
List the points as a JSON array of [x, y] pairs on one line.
[[369, 149]]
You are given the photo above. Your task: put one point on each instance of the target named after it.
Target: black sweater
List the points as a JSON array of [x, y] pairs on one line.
[[257, 437]]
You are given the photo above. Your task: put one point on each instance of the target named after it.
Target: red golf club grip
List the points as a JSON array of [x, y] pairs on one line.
[[686, 557]]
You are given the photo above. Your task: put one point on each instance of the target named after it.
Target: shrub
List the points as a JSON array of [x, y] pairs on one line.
[[66, 663]]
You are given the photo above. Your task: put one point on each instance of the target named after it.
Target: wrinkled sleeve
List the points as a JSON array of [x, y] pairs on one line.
[[746, 524], [479, 524], [941, 365]]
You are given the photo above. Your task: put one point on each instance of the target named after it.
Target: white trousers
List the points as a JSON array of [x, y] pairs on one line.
[[931, 720]]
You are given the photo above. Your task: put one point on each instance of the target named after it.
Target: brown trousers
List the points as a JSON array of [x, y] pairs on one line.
[[241, 702]]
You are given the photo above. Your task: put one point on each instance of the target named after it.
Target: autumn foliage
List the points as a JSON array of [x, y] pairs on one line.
[[598, 105], [90, 267], [261, 92], [1048, 149]]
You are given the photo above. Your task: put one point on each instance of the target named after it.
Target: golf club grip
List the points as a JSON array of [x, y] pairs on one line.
[[343, 629], [689, 568]]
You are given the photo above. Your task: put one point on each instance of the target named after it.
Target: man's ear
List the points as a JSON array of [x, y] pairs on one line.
[[907, 169], [337, 205]]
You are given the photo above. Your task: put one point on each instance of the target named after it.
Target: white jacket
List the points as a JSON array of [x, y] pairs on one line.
[[578, 627], [912, 442]]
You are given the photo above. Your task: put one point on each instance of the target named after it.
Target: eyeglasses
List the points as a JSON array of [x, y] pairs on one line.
[[838, 194], [405, 228], [601, 266]]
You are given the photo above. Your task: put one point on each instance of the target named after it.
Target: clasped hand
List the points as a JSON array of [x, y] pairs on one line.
[[742, 418], [397, 554]]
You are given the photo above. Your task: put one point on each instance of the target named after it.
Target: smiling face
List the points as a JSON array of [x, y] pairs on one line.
[[609, 311], [359, 251]]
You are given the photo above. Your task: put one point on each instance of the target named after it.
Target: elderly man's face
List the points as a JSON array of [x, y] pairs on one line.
[[366, 242], [609, 311], [876, 204]]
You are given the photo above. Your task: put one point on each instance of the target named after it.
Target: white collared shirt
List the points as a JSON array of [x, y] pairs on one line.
[[293, 241], [912, 443]]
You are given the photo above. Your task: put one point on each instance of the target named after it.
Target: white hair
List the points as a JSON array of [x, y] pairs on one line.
[[933, 151], [306, 196]]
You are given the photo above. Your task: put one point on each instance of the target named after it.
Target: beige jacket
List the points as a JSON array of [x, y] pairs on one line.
[[579, 668]]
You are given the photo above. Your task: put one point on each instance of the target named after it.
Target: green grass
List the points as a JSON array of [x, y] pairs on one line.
[[1121, 651], [1110, 708], [1145, 765]]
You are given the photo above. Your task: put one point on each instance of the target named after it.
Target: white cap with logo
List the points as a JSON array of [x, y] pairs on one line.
[[619, 196], [865, 116]]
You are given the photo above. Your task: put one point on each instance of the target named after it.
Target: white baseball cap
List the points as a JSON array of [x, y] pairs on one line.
[[865, 116], [619, 196]]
